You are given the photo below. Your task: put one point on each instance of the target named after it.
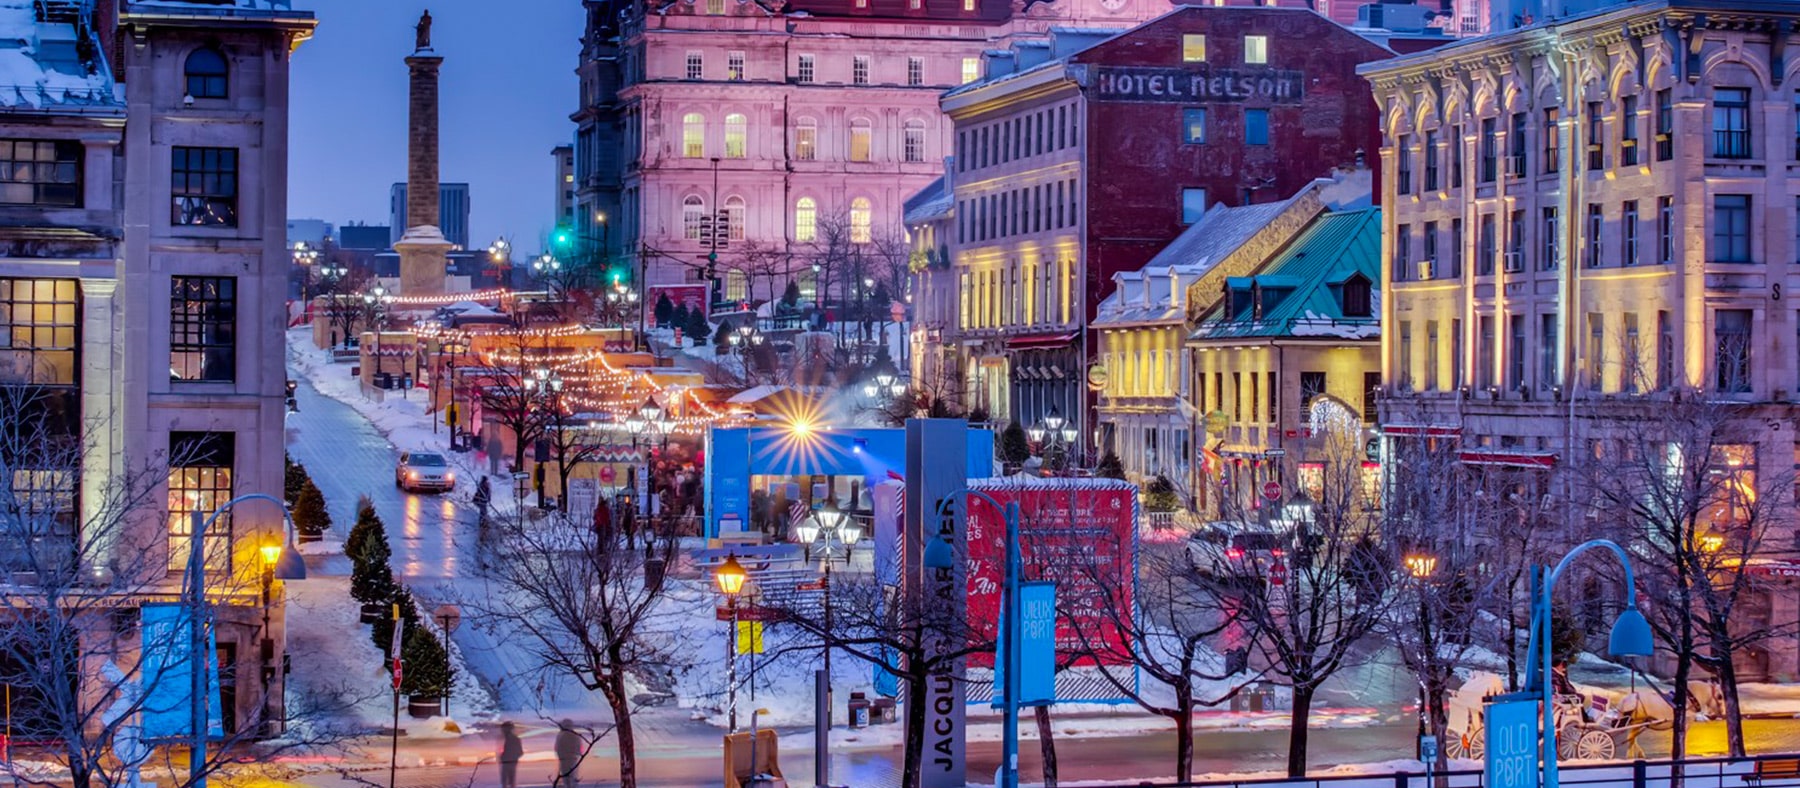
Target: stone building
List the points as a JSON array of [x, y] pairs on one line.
[[142, 282], [1585, 216], [1084, 156]]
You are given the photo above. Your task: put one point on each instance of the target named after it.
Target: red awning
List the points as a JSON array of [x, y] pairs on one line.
[[1774, 568], [1513, 459], [1039, 341], [1426, 430]]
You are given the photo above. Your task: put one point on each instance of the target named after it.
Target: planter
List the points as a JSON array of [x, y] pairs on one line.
[[424, 706], [374, 613], [305, 537]]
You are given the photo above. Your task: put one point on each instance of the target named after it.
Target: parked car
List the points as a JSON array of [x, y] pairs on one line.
[[1236, 550], [423, 471]]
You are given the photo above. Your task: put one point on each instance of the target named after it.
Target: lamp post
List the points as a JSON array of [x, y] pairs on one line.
[[376, 301], [650, 431], [280, 564], [1630, 637], [304, 256], [1421, 566], [828, 529], [1052, 433], [731, 576], [547, 387]]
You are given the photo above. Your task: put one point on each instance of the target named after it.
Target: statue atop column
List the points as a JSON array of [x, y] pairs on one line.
[[423, 31]]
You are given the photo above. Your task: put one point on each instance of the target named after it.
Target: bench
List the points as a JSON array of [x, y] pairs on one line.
[[1774, 769]]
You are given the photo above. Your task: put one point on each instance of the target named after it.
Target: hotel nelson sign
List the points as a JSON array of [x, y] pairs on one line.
[[1191, 85]]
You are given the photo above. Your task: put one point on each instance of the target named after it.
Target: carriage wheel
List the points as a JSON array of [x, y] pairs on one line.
[[1477, 747], [1457, 746], [1596, 746], [1567, 737]]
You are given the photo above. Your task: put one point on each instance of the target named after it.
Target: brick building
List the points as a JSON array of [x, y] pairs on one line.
[[1083, 157]]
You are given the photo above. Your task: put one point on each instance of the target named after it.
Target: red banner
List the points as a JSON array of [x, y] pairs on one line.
[[1079, 533]]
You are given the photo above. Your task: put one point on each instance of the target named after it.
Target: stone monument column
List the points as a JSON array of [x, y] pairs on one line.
[[423, 248]]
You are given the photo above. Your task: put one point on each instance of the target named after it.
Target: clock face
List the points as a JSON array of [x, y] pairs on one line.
[[1112, 5]]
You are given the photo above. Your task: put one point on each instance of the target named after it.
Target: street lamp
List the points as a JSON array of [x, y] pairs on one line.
[[1053, 434], [730, 577], [1630, 637], [279, 565]]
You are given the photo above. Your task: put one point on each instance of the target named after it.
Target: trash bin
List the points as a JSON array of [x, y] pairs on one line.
[[882, 711], [1257, 698], [859, 710]]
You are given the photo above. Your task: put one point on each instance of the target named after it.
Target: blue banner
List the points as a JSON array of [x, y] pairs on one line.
[[167, 644], [1512, 745], [1037, 647]]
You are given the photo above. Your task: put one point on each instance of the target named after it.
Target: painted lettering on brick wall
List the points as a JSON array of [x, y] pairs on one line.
[[1258, 85]]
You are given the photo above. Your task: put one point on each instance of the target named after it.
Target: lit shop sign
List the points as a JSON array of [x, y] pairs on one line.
[[1137, 83]]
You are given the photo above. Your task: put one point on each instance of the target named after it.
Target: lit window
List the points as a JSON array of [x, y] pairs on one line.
[[204, 186], [806, 220], [971, 69], [203, 328], [693, 217], [693, 135], [715, 7], [861, 138], [734, 218], [806, 139], [693, 65], [1193, 205], [734, 136], [968, 5], [1193, 122], [38, 322], [859, 221], [915, 141], [734, 66], [1193, 48], [200, 466], [804, 73], [1256, 127], [1256, 49], [859, 70]]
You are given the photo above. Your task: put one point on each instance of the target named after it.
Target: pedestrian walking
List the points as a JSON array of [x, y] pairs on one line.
[[568, 755], [511, 750], [603, 525]]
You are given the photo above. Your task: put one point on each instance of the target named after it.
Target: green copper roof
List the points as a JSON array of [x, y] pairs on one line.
[[1302, 287]]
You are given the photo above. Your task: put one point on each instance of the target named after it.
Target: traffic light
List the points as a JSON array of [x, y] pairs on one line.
[[563, 238]]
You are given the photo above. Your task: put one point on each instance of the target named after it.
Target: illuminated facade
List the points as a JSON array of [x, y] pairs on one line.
[[1585, 216], [142, 281]]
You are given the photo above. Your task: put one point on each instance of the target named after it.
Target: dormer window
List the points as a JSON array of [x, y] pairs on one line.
[[1357, 297], [207, 74]]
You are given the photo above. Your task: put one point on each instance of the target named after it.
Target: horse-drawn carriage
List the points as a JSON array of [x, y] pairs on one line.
[[1588, 727]]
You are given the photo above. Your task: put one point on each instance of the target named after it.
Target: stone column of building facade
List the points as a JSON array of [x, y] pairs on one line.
[[423, 249]]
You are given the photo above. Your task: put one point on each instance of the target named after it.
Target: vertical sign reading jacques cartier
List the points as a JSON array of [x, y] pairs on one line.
[[936, 461], [1512, 745], [1196, 85]]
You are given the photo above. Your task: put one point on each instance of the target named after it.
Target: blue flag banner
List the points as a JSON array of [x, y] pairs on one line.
[[167, 638], [1512, 745], [1037, 647]]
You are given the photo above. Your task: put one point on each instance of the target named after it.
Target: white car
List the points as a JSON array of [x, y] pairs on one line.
[[423, 471]]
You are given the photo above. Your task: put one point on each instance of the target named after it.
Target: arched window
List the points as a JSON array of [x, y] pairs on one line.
[[915, 141], [806, 139], [735, 131], [862, 136], [693, 136], [734, 218], [859, 221], [207, 75], [693, 216], [806, 220]]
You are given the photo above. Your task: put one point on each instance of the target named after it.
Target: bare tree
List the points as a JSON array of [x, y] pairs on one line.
[[584, 601], [1307, 612], [1681, 483], [506, 391], [77, 566]]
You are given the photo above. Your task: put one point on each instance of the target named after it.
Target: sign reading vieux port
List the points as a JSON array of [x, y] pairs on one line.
[[1194, 85]]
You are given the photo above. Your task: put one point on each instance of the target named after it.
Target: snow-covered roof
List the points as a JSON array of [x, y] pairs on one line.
[[242, 5], [932, 202], [51, 65]]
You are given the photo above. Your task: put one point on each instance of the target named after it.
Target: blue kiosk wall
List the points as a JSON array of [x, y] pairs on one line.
[[735, 454]]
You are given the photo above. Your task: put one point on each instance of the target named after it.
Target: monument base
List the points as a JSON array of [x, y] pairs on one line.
[[424, 258]]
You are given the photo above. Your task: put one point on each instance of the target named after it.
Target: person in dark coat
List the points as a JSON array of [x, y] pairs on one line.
[[568, 755], [603, 525], [511, 750]]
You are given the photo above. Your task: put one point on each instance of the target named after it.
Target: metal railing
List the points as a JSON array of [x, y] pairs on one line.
[[1757, 771]]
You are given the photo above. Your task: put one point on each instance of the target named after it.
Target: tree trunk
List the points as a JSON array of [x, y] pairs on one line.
[[1678, 734], [1734, 716], [1298, 729], [1046, 745], [618, 698], [1184, 737], [915, 729], [1439, 716]]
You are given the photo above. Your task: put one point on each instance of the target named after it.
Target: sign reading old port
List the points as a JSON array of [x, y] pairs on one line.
[[1188, 85]]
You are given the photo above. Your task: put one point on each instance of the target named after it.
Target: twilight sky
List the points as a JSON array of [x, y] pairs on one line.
[[508, 86]]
